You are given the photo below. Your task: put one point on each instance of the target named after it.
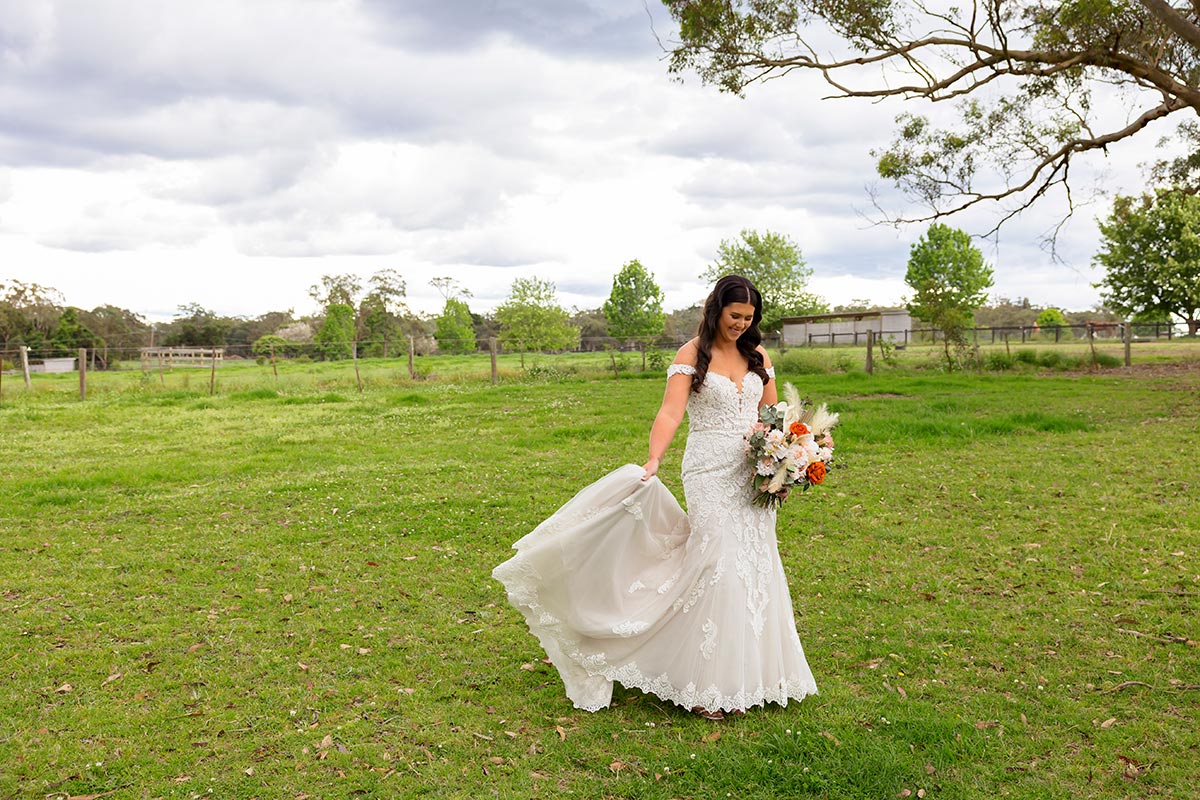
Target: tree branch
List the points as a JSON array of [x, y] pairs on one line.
[[1181, 25]]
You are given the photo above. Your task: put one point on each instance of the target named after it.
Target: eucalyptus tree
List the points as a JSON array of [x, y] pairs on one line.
[[1032, 82]]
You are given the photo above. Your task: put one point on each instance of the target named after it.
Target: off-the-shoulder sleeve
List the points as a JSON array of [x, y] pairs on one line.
[[680, 369], [770, 372]]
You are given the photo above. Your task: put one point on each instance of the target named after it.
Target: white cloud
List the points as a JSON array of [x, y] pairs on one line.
[[229, 153]]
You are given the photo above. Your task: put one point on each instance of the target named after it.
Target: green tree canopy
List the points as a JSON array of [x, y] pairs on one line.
[[343, 289], [1051, 318], [118, 327], [69, 335], [772, 262], [532, 319], [196, 326], [1024, 75], [381, 313], [949, 279], [335, 338], [455, 331], [634, 306], [28, 311], [1151, 256]]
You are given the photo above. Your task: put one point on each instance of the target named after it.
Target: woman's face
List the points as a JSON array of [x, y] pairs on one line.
[[735, 319]]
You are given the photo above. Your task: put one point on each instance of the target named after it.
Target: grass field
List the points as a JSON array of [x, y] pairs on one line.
[[283, 591]]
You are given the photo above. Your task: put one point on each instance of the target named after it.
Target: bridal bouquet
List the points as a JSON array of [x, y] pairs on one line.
[[789, 447]]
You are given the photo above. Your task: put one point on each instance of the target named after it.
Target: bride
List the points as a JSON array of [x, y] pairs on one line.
[[621, 585]]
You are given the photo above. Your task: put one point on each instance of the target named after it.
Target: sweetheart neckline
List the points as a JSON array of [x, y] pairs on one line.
[[740, 386]]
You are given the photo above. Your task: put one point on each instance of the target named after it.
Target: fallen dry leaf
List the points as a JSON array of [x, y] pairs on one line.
[[617, 766], [985, 723], [66, 688], [711, 737], [529, 667], [1108, 723], [116, 676], [496, 760], [831, 738], [562, 735]]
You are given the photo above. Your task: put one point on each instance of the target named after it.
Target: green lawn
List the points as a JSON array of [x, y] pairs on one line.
[[283, 590]]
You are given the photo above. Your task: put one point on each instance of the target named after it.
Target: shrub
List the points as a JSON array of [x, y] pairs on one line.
[[1027, 356], [1050, 360], [998, 361], [658, 359]]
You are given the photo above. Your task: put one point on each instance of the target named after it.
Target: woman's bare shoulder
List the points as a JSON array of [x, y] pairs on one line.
[[766, 358], [687, 353]]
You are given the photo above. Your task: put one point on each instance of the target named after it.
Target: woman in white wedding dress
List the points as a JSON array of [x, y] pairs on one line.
[[621, 585]]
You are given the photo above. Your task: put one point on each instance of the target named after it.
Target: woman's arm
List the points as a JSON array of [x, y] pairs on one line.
[[770, 394], [670, 414]]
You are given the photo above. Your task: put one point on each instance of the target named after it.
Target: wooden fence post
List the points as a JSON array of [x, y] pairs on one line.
[[357, 375], [492, 348], [82, 373], [870, 351], [412, 370], [25, 365], [212, 375], [162, 380], [1128, 343], [274, 368]]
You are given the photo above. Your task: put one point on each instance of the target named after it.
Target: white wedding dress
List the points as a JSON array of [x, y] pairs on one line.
[[621, 585]]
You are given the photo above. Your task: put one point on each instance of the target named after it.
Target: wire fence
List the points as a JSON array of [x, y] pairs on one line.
[[1008, 334], [415, 358]]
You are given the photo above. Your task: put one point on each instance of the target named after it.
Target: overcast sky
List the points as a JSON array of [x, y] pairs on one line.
[[228, 153]]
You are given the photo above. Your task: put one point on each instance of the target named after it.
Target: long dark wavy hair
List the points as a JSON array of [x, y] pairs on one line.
[[730, 289]]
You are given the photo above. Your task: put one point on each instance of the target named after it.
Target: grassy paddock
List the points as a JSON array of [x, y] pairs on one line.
[[301, 377], [275, 593]]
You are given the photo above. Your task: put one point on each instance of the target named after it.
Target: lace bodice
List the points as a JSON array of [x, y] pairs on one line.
[[722, 405]]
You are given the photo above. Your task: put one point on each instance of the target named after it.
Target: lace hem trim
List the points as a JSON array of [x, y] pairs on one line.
[[560, 646]]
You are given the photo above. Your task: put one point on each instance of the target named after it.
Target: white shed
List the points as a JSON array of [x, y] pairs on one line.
[[54, 365], [846, 328]]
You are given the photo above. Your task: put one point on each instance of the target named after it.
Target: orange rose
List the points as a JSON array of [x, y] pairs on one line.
[[816, 472], [798, 429]]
